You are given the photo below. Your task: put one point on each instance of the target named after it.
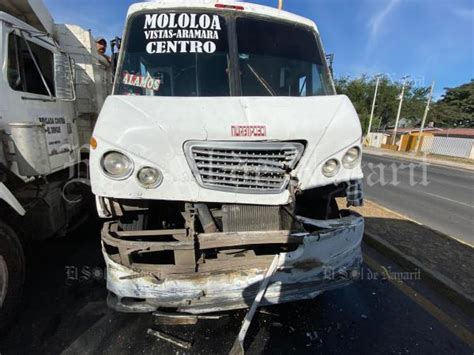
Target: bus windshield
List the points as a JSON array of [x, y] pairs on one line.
[[195, 54], [279, 59]]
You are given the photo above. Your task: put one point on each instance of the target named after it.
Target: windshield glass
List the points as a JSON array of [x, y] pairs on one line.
[[189, 54], [279, 59], [175, 54]]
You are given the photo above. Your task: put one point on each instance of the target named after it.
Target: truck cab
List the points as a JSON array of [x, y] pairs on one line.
[[224, 144], [33, 92], [52, 86]]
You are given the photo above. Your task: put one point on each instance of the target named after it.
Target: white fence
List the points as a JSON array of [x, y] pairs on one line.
[[427, 143], [451, 146]]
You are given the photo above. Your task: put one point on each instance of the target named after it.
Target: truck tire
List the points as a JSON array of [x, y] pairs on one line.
[[12, 273]]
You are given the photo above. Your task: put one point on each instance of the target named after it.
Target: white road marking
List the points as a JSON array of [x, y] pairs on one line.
[[448, 199]]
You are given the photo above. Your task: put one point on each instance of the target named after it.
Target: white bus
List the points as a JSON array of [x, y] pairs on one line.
[[224, 144]]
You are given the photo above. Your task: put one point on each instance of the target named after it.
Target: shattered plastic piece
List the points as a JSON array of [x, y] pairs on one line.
[[169, 338], [264, 311], [312, 335], [162, 318]]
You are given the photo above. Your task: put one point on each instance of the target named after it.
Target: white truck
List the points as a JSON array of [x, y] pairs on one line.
[[222, 145], [52, 86]]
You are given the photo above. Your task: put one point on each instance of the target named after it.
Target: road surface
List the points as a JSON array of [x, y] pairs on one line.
[[440, 197], [65, 312]]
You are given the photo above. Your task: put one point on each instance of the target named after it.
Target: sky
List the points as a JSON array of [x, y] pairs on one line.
[[430, 40]]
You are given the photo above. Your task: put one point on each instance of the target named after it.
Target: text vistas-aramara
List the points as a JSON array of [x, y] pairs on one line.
[[181, 33]]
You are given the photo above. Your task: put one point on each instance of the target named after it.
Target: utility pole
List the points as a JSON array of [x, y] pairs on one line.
[[399, 109], [425, 115], [280, 4], [373, 104]]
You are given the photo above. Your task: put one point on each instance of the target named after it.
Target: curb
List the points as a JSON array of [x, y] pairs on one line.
[[433, 162], [436, 280], [419, 223]]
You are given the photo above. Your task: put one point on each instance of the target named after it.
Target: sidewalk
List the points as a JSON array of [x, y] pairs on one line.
[[413, 157], [444, 262]]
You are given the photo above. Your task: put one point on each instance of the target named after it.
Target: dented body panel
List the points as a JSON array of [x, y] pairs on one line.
[[324, 260], [146, 129]]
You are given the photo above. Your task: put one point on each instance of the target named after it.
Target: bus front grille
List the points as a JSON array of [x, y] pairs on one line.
[[243, 167]]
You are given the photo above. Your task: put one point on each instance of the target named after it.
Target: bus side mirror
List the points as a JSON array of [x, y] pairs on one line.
[[330, 61]]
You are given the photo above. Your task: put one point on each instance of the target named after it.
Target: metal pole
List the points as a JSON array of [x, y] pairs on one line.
[[280, 4], [373, 105], [425, 115], [399, 111]]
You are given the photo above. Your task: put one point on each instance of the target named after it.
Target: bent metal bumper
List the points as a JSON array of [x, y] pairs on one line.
[[326, 258]]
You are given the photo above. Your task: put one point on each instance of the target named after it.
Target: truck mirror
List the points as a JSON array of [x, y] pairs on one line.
[[63, 77]]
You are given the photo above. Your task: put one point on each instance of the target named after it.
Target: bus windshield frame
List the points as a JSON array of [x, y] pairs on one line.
[[219, 66]]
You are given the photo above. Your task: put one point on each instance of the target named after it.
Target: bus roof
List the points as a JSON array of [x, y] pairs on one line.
[[211, 4]]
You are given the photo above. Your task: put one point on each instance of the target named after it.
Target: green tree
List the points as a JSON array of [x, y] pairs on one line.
[[387, 104], [415, 103], [361, 92], [456, 104]]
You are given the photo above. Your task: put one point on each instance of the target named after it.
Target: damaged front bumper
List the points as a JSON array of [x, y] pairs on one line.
[[326, 257]]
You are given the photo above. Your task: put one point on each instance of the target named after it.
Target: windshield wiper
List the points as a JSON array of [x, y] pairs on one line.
[[262, 81]]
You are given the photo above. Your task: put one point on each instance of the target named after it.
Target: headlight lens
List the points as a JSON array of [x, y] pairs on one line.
[[331, 168], [351, 158], [149, 177], [117, 165]]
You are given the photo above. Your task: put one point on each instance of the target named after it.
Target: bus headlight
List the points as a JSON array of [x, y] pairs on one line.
[[117, 165], [331, 168], [149, 177], [351, 158]]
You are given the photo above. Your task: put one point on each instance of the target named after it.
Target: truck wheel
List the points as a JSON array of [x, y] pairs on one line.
[[12, 273]]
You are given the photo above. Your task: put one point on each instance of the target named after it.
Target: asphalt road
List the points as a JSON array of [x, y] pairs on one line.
[[439, 197], [65, 312]]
